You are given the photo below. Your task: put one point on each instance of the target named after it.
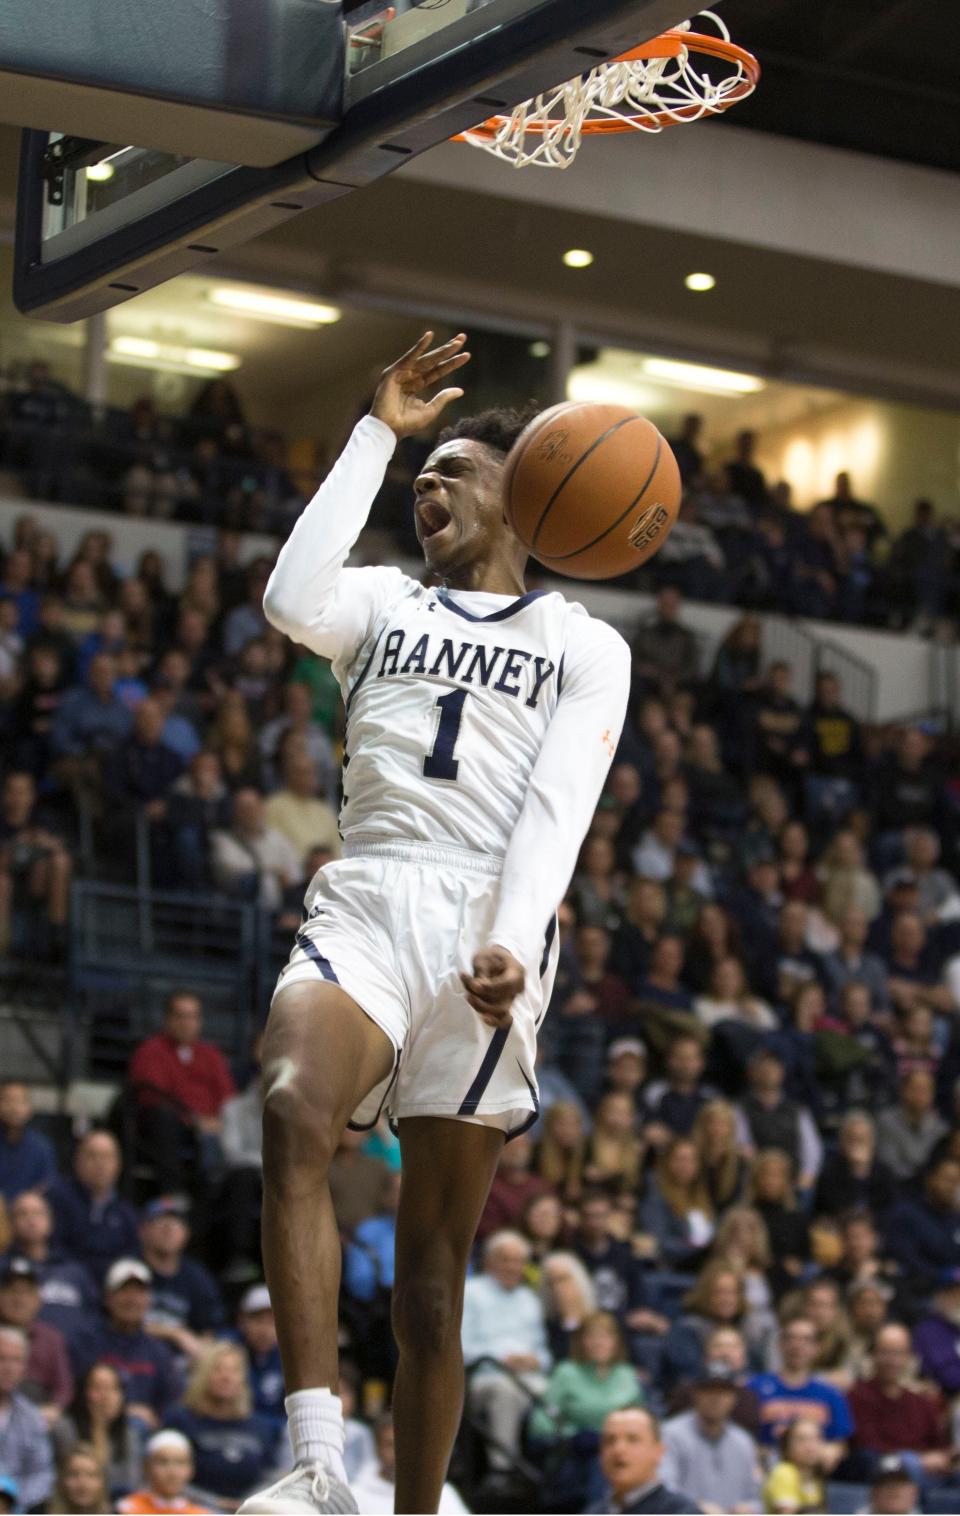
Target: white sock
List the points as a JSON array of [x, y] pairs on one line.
[[315, 1419]]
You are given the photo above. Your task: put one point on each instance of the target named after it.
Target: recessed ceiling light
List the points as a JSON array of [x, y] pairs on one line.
[[700, 282], [288, 310], [143, 352], [699, 376], [99, 172], [577, 257], [539, 349]]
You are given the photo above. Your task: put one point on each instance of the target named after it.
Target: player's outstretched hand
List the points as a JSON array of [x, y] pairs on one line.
[[495, 983], [399, 402]]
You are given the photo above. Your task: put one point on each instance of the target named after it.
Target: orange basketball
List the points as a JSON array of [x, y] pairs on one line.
[[591, 490]]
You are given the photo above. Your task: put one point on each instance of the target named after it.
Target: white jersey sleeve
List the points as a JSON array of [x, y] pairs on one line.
[[564, 787], [310, 595]]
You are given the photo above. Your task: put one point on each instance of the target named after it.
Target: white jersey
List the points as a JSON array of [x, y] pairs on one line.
[[475, 721]]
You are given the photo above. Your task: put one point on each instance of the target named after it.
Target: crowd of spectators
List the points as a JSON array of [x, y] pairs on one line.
[[723, 1268]]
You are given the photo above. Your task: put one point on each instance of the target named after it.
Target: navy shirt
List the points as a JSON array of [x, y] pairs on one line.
[[93, 1232], [144, 1363], [69, 1299], [28, 1164], [231, 1457], [188, 1297]]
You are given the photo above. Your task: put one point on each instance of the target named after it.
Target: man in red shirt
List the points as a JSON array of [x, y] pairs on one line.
[[891, 1418], [181, 1085], [513, 1187]]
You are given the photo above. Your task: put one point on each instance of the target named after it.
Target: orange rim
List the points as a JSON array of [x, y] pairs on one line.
[[668, 45]]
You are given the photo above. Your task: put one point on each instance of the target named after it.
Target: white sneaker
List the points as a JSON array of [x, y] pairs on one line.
[[310, 1487]]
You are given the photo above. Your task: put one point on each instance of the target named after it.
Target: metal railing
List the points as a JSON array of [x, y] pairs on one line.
[[809, 656]]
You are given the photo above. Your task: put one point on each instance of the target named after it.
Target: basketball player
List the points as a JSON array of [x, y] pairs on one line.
[[481, 721]]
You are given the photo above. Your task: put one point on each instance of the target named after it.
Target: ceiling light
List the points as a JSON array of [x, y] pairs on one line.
[[539, 349], [142, 352], [288, 310], [577, 257], [699, 282], [698, 376], [593, 386], [99, 172]]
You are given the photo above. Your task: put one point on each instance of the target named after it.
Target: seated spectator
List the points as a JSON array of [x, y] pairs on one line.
[[677, 1211], [503, 1320], [908, 1132], [707, 1455], [35, 867], [798, 879], [846, 883], [914, 979], [568, 1297], [850, 962], [37, 700], [869, 1079], [197, 805], [655, 854], [369, 1255], [513, 1187], [890, 1416], [893, 1490], [560, 1153], [736, 667], [830, 752], [247, 621], [853, 1177], [25, 1452], [631, 1454], [916, 1044], [146, 1366], [68, 1295], [718, 1299], [742, 1244], [92, 1224], [296, 731], [595, 1380], [721, 1163], [725, 1346], [98, 1418], [297, 811], [923, 1230], [729, 999], [715, 937], [48, 1381], [181, 1084], [543, 1225], [27, 1159], [593, 946], [373, 1488], [90, 721], [767, 1118], [597, 890], [770, 1191], [821, 1301], [868, 1305], [639, 931], [936, 1338], [673, 1104], [795, 1394], [664, 650], [141, 768], [777, 719], [938, 898], [356, 1182], [233, 1448], [258, 1334], [232, 739], [251, 859], [81, 1486], [627, 1069], [792, 964], [907, 789], [168, 1470], [614, 1157], [185, 1304], [795, 1483]]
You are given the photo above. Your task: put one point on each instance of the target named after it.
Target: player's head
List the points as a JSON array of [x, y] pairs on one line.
[[459, 509]]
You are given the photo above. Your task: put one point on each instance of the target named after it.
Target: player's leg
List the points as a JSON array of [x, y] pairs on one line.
[[321, 1056], [448, 1166]]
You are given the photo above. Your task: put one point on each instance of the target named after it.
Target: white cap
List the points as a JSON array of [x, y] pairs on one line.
[[257, 1298], [624, 1045], [124, 1270], [175, 1441]]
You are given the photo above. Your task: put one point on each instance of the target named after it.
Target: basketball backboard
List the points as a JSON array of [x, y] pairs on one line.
[[100, 220]]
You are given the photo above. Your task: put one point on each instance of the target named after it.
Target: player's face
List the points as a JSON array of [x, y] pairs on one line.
[[458, 505]]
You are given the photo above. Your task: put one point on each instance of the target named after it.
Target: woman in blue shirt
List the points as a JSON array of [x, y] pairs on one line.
[[234, 1450]]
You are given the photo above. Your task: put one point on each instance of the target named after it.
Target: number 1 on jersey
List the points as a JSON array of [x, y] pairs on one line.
[[440, 762]]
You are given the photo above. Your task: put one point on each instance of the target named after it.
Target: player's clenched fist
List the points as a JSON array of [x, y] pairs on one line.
[[398, 402], [495, 983]]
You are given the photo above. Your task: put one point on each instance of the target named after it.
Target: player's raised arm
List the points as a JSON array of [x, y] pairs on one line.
[[561, 798], [306, 596]]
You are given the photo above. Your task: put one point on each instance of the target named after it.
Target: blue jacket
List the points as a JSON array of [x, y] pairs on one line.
[[188, 1297], [92, 1233], [937, 1343], [922, 1240], [232, 1457], [145, 1365], [368, 1262], [28, 1164]]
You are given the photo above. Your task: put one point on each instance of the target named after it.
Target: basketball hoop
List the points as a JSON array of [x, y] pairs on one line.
[[649, 88]]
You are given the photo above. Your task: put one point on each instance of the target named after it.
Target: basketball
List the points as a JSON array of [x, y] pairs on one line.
[[591, 490]]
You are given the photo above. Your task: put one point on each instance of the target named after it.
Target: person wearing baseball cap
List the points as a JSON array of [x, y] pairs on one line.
[[49, 1381], [707, 1456], [186, 1310], [258, 1333], [147, 1365], [168, 1469], [893, 1489]]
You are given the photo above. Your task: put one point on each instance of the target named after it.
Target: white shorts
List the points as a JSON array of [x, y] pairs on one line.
[[394, 924]]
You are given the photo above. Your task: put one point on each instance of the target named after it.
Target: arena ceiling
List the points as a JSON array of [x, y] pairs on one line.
[[874, 76]]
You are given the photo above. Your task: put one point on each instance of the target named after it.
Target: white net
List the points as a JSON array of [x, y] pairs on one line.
[[642, 94]]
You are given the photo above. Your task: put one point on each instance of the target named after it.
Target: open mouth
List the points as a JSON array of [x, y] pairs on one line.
[[432, 518]]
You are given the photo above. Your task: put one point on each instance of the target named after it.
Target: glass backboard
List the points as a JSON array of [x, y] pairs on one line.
[[100, 221]]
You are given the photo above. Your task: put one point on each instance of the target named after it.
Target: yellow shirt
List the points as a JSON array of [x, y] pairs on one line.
[[788, 1490], [304, 821]]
